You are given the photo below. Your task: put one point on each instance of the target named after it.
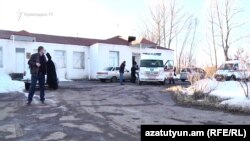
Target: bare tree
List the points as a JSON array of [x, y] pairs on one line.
[[244, 59], [166, 21], [224, 20], [192, 44], [183, 55], [211, 20]]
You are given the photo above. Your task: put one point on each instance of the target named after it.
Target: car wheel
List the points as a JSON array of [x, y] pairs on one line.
[[27, 86], [183, 80], [139, 82], [103, 80], [113, 79]]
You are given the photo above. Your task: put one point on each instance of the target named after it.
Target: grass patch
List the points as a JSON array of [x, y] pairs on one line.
[[204, 100]]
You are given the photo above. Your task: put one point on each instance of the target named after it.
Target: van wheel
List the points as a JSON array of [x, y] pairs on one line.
[[232, 78], [163, 83], [113, 79], [27, 86], [103, 80]]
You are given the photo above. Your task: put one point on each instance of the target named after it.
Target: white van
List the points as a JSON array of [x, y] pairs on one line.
[[153, 69], [233, 70]]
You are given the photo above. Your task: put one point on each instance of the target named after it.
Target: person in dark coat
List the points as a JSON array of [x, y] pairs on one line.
[[37, 64], [133, 72], [51, 73], [121, 71]]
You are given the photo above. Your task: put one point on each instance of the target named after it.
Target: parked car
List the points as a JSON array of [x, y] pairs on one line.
[[233, 70], [192, 72], [112, 74]]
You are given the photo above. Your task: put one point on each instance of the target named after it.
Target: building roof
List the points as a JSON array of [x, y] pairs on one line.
[[4, 34], [145, 41], [159, 47], [117, 40]]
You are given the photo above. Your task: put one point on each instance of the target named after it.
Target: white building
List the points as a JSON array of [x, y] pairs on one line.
[[75, 58]]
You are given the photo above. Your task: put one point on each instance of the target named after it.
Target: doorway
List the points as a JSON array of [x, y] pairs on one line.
[[20, 60], [136, 57]]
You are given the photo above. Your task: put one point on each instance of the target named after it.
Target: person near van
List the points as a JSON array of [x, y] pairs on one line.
[[172, 78], [51, 73], [38, 68], [133, 72], [121, 71]]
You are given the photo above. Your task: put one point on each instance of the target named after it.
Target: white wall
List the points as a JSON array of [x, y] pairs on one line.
[[99, 54], [94, 60], [71, 73]]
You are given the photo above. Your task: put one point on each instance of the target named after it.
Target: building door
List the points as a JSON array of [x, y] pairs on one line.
[[136, 57], [20, 60], [60, 63]]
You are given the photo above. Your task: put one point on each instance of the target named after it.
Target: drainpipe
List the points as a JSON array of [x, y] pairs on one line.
[[13, 44], [89, 64], [140, 48]]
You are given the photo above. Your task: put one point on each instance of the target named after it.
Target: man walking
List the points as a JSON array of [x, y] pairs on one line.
[[122, 67], [38, 68]]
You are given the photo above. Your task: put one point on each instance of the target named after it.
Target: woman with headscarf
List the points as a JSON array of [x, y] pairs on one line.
[[51, 73]]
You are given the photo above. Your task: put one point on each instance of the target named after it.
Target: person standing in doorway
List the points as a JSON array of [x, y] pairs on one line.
[[133, 72], [122, 68], [38, 70]]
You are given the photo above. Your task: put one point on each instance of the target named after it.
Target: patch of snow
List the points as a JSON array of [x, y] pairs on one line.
[[8, 85], [237, 102], [231, 92], [178, 76]]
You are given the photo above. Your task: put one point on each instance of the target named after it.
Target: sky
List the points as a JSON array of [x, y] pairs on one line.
[[100, 19], [84, 18]]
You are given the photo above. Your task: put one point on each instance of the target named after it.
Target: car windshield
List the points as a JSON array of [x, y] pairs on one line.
[[108, 68], [228, 66], [152, 63]]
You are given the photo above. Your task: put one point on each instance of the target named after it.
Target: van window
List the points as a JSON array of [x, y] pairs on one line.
[[169, 65], [228, 66], [152, 63]]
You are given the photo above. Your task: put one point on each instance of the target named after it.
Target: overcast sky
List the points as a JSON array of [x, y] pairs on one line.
[[97, 18], [85, 18]]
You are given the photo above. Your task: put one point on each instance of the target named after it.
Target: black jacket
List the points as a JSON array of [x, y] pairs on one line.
[[35, 58], [122, 67], [51, 73]]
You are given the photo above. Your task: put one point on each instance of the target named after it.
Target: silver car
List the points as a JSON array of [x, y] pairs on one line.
[[112, 74], [191, 72]]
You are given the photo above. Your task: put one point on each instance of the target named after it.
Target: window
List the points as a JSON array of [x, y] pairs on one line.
[[1, 57], [78, 60], [113, 58], [169, 65], [151, 63], [60, 58]]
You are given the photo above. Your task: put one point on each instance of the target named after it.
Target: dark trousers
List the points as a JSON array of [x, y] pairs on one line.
[[121, 78], [41, 79], [133, 77], [171, 80]]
